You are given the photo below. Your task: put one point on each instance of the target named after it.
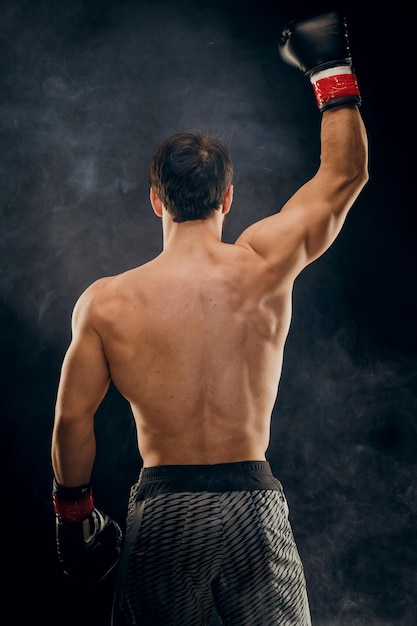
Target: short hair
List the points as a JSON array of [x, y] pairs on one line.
[[191, 173]]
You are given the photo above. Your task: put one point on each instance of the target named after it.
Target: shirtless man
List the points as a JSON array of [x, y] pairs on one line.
[[194, 341]]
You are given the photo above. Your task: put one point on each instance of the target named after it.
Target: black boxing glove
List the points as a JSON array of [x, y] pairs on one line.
[[319, 47], [88, 542]]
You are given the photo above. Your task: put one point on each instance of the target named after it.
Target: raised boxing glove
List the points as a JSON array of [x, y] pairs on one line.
[[319, 47], [88, 542]]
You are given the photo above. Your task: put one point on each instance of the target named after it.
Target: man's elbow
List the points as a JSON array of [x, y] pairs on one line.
[[354, 178], [359, 162], [360, 178], [362, 167]]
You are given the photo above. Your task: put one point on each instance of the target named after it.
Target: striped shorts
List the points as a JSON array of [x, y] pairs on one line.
[[199, 536]]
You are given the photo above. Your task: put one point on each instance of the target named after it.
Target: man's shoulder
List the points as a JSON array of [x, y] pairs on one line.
[[116, 283], [97, 289], [107, 290], [105, 300]]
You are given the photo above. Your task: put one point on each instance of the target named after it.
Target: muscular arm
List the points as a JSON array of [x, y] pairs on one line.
[[83, 384], [312, 218]]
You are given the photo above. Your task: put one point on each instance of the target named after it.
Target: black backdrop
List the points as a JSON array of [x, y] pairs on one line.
[[88, 90]]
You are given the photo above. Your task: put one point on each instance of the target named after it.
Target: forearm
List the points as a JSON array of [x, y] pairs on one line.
[[344, 151], [73, 451]]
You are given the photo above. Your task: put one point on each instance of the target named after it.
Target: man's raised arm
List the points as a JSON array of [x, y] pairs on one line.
[[312, 218]]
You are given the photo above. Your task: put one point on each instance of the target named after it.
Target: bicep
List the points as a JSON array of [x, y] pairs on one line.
[[85, 376], [305, 227]]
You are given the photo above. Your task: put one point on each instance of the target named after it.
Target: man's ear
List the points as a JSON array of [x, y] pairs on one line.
[[155, 202], [227, 200]]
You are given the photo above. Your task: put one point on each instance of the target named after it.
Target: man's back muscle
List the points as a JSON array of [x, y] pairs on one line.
[[194, 342]]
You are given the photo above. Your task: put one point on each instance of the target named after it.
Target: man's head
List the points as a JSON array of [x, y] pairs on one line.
[[191, 174]]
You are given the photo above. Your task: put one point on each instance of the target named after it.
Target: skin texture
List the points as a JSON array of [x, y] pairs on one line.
[[194, 339]]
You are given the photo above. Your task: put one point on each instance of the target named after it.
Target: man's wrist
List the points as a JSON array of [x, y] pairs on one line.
[[72, 504]]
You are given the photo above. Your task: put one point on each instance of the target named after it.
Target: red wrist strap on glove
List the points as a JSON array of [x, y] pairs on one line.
[[72, 504], [334, 86]]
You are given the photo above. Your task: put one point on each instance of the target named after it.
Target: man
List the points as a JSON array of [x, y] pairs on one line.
[[194, 341]]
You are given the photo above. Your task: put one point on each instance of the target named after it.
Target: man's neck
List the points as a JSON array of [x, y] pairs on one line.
[[193, 234]]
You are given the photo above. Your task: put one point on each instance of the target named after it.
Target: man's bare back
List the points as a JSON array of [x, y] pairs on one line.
[[194, 341]]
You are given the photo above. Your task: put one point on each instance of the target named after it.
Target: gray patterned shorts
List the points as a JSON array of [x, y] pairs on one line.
[[204, 535]]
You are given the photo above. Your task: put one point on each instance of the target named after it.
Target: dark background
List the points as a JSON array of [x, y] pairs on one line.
[[88, 91]]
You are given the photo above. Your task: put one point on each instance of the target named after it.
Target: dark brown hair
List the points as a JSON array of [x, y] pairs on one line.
[[191, 173]]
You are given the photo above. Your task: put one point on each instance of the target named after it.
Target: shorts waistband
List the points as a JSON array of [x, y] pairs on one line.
[[236, 476], [173, 472]]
